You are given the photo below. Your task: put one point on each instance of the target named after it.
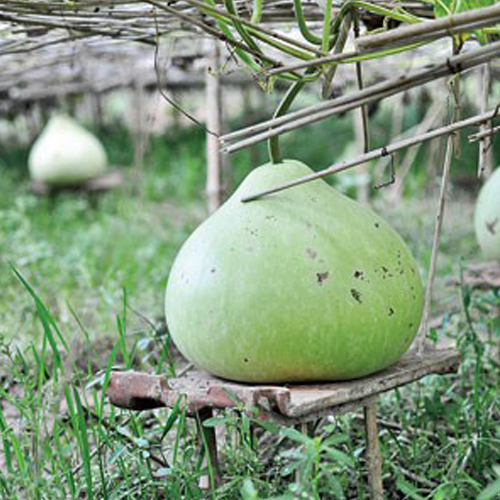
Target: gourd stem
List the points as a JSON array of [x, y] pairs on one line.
[[284, 106]]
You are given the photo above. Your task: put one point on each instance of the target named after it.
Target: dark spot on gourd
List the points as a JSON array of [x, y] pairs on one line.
[[410, 325], [377, 225], [358, 274], [491, 226], [386, 273], [391, 311], [245, 360], [356, 295], [212, 270], [322, 277], [311, 253]]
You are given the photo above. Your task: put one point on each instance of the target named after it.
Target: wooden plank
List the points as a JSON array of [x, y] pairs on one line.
[[286, 403], [483, 276], [110, 180], [410, 368]]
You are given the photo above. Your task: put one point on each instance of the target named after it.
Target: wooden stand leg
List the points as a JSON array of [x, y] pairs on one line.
[[214, 125], [208, 443], [373, 456], [306, 428]]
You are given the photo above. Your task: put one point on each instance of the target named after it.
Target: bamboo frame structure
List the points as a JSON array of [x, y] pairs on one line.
[[379, 153], [291, 121], [432, 29]]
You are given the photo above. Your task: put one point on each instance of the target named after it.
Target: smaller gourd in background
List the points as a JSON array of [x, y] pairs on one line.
[[66, 154], [487, 217]]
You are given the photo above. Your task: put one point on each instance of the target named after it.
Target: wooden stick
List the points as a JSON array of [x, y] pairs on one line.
[[208, 442], [320, 61], [339, 47], [484, 133], [213, 32], [433, 114], [422, 334], [213, 106], [373, 455], [445, 26], [361, 128], [372, 51], [244, 22], [377, 153], [485, 160], [300, 118]]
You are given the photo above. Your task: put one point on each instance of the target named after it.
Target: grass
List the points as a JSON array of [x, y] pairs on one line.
[[82, 292]]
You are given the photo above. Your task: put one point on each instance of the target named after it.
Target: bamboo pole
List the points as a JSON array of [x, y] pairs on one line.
[[427, 30], [208, 443], [213, 106], [213, 32], [484, 133], [424, 327], [485, 160], [291, 121], [377, 153], [256, 27], [431, 117], [361, 127], [320, 61], [138, 125], [363, 184], [364, 49]]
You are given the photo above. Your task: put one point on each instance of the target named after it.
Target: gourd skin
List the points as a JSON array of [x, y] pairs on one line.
[[302, 285], [65, 154], [487, 217]]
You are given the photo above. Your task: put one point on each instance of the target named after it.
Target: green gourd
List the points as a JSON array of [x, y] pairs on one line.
[[302, 285], [487, 217], [65, 154]]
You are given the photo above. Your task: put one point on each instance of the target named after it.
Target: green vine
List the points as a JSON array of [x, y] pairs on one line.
[[256, 12], [304, 29], [273, 146]]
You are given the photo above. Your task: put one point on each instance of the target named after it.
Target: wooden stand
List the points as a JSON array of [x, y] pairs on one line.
[[108, 181], [283, 404], [483, 276]]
